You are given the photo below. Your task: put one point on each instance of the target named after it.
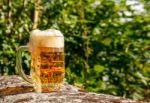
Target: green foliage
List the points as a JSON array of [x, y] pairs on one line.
[[106, 42]]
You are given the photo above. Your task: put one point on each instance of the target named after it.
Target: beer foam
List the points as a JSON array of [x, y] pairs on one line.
[[47, 38]]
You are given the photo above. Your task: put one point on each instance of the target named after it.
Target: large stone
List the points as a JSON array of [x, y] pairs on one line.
[[14, 90]]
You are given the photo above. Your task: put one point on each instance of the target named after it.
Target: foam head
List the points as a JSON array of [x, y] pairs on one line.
[[47, 38]]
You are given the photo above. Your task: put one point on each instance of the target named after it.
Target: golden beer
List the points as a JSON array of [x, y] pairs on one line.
[[47, 60], [48, 68]]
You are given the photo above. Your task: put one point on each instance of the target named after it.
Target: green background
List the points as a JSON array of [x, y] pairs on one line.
[[107, 42]]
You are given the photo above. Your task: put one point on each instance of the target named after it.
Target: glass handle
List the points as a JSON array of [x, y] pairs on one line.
[[19, 63]]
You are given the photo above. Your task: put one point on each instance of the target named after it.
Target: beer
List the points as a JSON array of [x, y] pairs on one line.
[[47, 59], [48, 69]]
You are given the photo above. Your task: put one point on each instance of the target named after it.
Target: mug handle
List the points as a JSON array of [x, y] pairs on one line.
[[19, 63]]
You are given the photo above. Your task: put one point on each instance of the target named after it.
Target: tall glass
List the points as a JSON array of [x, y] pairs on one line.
[[47, 60]]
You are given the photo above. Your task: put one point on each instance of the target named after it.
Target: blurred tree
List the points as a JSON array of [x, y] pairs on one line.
[[106, 41]]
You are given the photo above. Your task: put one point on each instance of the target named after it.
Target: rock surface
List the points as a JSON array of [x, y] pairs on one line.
[[14, 90]]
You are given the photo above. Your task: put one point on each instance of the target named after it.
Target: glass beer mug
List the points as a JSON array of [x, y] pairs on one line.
[[47, 60]]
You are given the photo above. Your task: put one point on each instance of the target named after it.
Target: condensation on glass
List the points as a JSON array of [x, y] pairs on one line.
[[47, 60]]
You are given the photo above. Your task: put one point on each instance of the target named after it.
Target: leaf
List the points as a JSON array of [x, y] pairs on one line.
[[137, 96], [106, 41], [99, 68], [140, 75]]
